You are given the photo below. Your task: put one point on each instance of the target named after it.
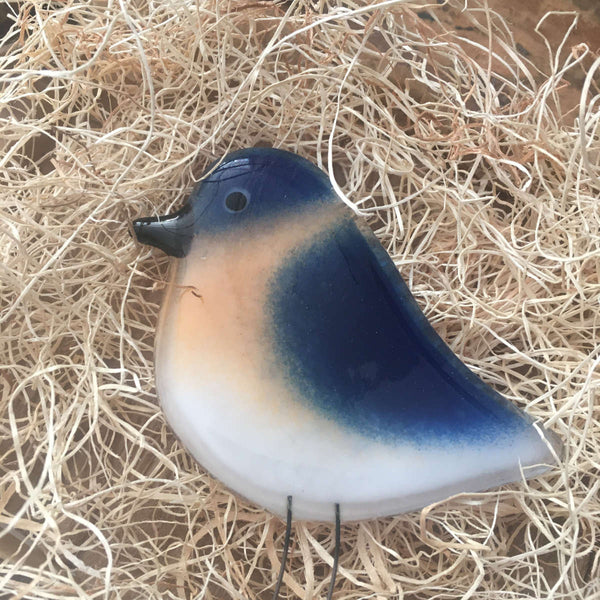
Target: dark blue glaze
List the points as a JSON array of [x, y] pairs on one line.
[[275, 182], [351, 339]]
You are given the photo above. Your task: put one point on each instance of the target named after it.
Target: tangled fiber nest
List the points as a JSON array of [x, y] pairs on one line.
[[478, 170]]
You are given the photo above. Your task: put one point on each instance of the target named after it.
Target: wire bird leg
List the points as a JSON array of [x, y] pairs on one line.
[[336, 553], [286, 546]]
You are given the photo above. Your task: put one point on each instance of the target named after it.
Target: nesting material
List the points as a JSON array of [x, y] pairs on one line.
[[479, 171]]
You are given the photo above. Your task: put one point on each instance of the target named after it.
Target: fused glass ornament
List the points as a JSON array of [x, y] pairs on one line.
[[292, 360]]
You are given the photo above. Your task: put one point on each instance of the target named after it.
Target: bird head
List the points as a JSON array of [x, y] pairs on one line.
[[247, 189]]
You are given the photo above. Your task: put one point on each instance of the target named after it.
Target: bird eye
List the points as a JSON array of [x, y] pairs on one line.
[[236, 201]]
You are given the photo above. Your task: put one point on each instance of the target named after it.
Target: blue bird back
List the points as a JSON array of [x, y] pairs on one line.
[[352, 340]]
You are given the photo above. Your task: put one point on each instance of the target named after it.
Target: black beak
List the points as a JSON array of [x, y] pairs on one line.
[[172, 233]]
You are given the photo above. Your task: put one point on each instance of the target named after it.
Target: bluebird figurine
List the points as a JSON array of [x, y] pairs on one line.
[[295, 366]]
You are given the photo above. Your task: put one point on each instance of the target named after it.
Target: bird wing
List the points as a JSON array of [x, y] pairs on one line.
[[352, 340]]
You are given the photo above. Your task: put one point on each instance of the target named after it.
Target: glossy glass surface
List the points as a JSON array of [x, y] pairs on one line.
[[301, 365]]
